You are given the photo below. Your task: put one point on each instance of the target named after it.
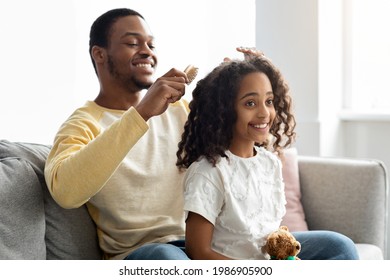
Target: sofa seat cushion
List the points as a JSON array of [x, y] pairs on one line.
[[369, 252]]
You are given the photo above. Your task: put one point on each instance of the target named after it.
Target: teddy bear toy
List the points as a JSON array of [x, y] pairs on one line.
[[282, 245]]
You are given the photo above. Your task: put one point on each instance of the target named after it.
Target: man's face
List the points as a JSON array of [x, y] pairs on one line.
[[131, 57]]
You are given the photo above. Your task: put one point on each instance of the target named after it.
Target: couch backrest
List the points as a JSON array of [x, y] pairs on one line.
[[346, 195], [32, 225]]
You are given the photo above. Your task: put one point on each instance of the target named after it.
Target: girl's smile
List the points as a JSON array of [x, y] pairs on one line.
[[259, 126]]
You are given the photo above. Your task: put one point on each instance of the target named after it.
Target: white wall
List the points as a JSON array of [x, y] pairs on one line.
[[287, 32], [46, 72]]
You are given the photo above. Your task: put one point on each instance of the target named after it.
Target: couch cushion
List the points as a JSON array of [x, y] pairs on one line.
[[68, 234], [369, 252], [22, 216], [295, 216]]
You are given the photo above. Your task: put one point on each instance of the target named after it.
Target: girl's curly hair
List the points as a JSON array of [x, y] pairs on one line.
[[209, 128]]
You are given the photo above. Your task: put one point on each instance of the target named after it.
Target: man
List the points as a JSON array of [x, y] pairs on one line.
[[117, 153]]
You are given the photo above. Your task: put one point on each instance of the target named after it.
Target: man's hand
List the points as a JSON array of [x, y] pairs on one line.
[[167, 89]]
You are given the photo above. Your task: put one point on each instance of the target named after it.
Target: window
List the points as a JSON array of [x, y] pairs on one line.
[[367, 55]]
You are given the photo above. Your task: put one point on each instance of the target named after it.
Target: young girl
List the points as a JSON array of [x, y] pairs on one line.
[[240, 119]]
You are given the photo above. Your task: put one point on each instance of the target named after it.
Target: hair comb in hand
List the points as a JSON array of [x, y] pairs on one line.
[[191, 72]]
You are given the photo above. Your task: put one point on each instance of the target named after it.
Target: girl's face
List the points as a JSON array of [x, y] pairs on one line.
[[255, 113]]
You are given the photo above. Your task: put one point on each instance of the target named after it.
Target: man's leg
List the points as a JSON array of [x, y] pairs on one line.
[[325, 245], [160, 251]]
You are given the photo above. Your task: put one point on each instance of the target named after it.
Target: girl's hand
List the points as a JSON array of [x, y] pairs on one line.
[[249, 53]]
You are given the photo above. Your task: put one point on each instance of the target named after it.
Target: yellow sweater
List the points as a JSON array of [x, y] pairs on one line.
[[124, 169]]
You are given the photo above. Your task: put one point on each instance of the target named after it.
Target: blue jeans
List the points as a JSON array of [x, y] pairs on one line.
[[160, 251], [325, 245], [316, 245]]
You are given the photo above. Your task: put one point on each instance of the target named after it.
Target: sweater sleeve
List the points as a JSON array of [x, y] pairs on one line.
[[83, 159]]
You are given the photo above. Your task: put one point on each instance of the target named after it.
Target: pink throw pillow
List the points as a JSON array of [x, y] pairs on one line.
[[295, 216]]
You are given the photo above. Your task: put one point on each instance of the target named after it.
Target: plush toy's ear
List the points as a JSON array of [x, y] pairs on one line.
[[284, 228]]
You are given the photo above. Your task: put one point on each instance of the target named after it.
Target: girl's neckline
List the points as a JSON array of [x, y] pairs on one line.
[[255, 152]]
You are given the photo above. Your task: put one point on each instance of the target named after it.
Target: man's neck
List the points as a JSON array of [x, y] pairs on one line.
[[118, 101]]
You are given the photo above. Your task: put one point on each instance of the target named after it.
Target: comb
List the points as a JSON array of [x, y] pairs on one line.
[[191, 72]]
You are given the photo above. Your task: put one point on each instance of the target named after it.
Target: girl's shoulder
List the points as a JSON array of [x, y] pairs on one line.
[[206, 168], [204, 171], [202, 165]]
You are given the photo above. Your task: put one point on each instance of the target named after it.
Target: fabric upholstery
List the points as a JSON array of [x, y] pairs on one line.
[[295, 216], [22, 216], [346, 195], [369, 252], [32, 225]]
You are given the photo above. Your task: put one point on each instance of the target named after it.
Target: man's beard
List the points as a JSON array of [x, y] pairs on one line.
[[129, 82]]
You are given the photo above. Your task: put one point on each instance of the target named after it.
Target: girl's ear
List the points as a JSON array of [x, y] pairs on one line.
[[98, 54]]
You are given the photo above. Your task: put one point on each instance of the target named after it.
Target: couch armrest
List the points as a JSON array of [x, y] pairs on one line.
[[346, 195]]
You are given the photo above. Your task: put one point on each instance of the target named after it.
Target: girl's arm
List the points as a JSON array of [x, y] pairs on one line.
[[199, 232]]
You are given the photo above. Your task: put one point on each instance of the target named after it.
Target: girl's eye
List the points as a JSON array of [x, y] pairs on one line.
[[152, 47], [250, 103], [132, 44], [270, 101]]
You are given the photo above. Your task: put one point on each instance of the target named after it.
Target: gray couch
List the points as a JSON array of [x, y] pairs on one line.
[[348, 196], [32, 225]]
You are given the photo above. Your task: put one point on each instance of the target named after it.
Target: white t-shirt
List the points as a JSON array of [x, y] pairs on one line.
[[242, 197]]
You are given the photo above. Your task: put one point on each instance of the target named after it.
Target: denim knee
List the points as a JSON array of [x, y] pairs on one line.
[[326, 245], [344, 248], [158, 251]]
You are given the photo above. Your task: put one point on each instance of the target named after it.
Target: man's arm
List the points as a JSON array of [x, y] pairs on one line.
[[79, 164]]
